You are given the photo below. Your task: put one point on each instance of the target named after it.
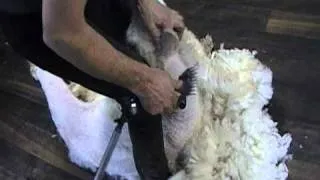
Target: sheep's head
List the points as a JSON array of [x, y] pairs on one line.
[[174, 56], [168, 57]]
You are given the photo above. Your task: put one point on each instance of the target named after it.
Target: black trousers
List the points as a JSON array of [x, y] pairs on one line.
[[111, 19]]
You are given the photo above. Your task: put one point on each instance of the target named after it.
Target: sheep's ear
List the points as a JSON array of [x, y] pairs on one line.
[[168, 44]]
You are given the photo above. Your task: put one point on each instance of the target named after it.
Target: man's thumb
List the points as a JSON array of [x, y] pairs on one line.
[[178, 85], [155, 33]]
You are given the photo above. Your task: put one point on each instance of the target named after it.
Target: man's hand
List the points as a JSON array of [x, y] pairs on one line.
[[158, 94], [158, 17]]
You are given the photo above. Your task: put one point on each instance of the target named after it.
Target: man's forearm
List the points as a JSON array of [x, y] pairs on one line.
[[91, 53]]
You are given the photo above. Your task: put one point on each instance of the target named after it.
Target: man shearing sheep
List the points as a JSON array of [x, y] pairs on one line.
[[84, 41]]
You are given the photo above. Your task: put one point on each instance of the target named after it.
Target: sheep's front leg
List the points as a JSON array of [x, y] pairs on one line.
[[178, 126]]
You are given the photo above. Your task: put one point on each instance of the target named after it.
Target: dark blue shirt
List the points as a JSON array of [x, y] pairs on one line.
[[20, 6]]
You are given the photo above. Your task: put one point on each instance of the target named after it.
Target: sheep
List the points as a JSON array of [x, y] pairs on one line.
[[214, 137]]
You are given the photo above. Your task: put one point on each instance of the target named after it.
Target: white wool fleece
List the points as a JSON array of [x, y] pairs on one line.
[[238, 140], [86, 127]]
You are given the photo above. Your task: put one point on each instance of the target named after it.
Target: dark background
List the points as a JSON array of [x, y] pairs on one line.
[[286, 34]]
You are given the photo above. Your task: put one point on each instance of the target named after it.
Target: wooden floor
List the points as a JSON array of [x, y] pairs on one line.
[[286, 34]]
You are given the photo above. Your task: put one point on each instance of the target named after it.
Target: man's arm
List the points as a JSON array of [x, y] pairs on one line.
[[67, 33]]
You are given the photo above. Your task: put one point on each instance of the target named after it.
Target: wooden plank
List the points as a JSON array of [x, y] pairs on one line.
[[33, 122], [295, 28], [294, 24], [15, 76], [287, 15], [14, 66], [32, 130], [23, 90], [300, 170], [248, 16], [19, 111], [29, 146], [8, 174], [295, 103], [17, 164], [298, 6], [306, 138], [231, 19]]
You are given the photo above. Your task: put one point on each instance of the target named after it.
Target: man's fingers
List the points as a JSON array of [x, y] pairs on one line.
[[154, 110], [175, 100], [149, 21], [154, 32], [178, 16], [178, 85], [179, 31], [170, 108], [178, 24]]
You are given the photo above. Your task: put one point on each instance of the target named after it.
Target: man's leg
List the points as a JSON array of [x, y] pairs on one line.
[[145, 129], [24, 34]]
